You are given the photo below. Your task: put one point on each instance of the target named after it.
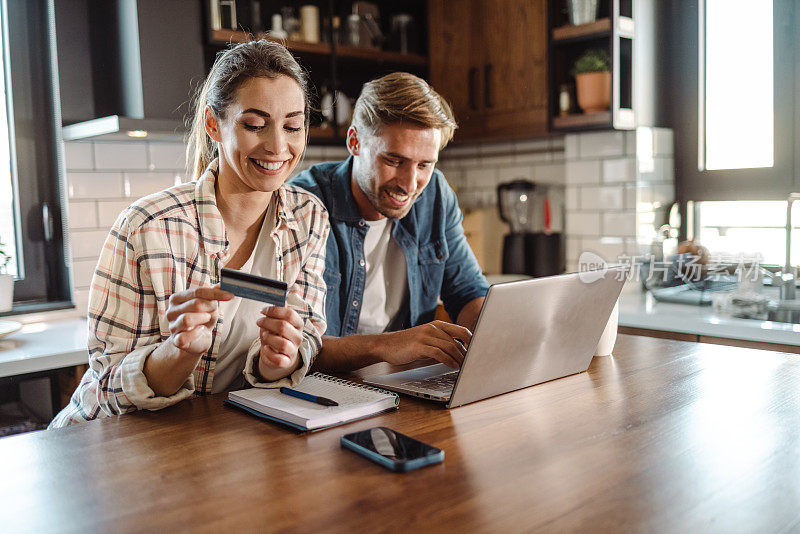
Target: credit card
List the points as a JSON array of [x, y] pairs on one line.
[[250, 286]]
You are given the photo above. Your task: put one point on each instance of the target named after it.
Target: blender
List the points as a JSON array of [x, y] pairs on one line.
[[534, 213]]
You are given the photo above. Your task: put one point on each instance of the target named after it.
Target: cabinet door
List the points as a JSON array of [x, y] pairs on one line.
[[454, 68], [514, 70]]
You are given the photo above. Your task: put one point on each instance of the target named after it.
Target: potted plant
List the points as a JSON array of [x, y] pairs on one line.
[[592, 71], [6, 280]]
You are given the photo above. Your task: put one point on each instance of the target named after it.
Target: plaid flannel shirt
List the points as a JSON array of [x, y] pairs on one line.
[[171, 241]]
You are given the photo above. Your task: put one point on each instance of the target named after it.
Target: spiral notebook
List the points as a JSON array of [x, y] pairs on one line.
[[356, 401]]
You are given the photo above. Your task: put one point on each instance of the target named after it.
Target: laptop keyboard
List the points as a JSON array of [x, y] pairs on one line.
[[439, 384]]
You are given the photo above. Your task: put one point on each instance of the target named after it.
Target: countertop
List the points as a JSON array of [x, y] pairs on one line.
[[55, 341], [640, 310], [44, 345]]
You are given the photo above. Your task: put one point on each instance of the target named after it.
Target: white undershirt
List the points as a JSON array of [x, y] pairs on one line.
[[386, 285], [239, 316]]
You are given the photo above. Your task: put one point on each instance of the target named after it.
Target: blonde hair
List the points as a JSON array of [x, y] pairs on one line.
[[232, 68], [403, 97]]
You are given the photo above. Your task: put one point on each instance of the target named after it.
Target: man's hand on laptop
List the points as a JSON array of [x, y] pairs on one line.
[[439, 340]]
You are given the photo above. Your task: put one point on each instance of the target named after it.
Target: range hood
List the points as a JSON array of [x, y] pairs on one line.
[[127, 68]]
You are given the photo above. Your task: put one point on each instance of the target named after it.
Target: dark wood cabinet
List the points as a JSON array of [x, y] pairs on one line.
[[332, 64], [489, 59]]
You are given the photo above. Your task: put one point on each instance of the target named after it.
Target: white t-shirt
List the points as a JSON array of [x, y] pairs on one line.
[[386, 285], [239, 316]]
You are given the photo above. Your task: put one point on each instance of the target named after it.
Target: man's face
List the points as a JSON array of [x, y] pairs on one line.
[[391, 168]]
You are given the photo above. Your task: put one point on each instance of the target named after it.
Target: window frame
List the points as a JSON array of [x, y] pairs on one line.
[[37, 155]]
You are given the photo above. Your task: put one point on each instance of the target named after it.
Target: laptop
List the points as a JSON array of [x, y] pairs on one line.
[[528, 332]]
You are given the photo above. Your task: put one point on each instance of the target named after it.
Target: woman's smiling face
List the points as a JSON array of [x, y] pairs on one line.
[[262, 137]]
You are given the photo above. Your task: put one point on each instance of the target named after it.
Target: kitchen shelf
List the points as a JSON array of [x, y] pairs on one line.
[[582, 120], [223, 37], [594, 29]]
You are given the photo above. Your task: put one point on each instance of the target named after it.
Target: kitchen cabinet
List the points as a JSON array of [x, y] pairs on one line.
[[332, 64], [488, 59], [621, 26]]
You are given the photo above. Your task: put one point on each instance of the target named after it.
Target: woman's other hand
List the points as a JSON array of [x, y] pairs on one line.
[[281, 336]]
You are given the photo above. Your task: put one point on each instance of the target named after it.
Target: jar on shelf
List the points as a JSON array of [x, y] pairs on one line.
[[564, 100]]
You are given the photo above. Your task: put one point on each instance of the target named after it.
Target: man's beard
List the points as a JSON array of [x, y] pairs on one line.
[[376, 199]]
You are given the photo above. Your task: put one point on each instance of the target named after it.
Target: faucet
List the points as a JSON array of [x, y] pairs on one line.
[[788, 290]]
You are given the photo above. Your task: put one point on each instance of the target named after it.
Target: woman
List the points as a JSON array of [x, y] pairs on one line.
[[160, 328]]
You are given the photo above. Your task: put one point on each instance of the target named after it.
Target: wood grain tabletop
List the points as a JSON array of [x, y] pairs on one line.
[[665, 436]]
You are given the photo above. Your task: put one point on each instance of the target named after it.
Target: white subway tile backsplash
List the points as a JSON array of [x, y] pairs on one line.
[[496, 161], [139, 184], [557, 144], [109, 210], [454, 177], [662, 142], [610, 249], [166, 156], [82, 214], [619, 224], [94, 184], [508, 174], [532, 158], [630, 143], [87, 243], [82, 272], [460, 151], [120, 156], [583, 223], [79, 155], [550, 174], [619, 170], [573, 198], [583, 172], [603, 144], [574, 248], [480, 177], [533, 144], [664, 193], [80, 297], [664, 170], [557, 156], [571, 146], [630, 196], [495, 148], [601, 198]]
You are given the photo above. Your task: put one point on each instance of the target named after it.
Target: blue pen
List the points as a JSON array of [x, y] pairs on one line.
[[311, 398]]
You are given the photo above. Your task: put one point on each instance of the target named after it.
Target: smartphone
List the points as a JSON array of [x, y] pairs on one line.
[[391, 449]]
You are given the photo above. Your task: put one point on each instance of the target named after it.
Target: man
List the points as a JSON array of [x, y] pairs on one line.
[[396, 243]]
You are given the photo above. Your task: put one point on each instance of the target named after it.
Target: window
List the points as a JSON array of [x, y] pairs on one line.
[[9, 208], [737, 108], [760, 235], [727, 82], [31, 179]]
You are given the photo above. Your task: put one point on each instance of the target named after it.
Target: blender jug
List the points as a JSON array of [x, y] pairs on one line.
[[534, 213]]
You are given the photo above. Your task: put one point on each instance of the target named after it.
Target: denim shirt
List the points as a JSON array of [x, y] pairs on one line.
[[438, 258]]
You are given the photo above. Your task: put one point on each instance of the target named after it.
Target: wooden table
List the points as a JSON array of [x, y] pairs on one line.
[[666, 436]]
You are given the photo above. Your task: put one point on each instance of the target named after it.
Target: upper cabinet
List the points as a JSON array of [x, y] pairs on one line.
[[488, 58], [341, 44]]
